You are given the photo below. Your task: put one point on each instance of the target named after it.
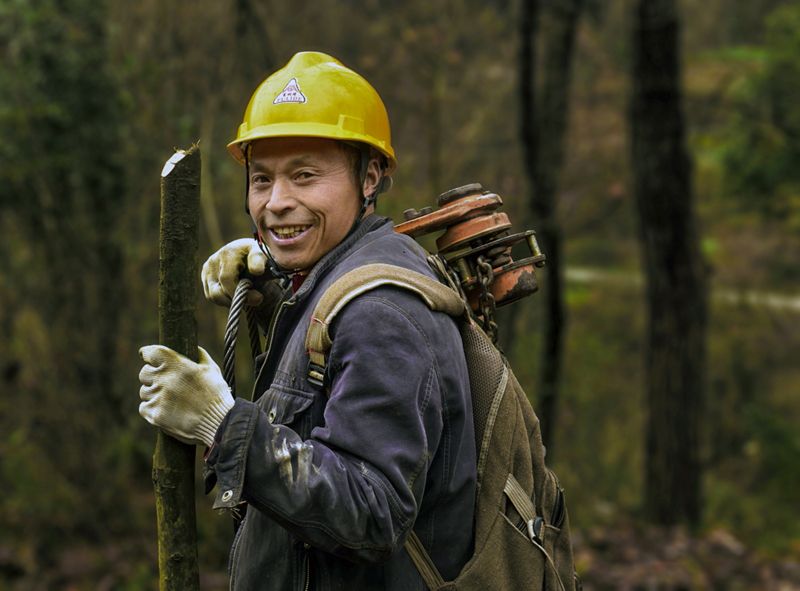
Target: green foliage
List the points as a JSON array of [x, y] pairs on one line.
[[94, 96], [61, 191], [777, 448], [39, 495], [601, 401], [755, 492], [763, 146]]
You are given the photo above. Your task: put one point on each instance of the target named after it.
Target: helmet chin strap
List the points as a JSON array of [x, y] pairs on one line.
[[274, 268], [366, 200]]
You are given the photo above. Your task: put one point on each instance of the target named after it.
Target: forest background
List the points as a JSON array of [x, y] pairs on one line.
[[96, 94]]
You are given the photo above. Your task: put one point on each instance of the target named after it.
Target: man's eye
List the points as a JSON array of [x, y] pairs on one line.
[[259, 179], [304, 175]]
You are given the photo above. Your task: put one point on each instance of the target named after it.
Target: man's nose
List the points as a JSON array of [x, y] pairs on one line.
[[281, 197]]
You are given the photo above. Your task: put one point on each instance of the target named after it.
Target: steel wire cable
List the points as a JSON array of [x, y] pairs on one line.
[[232, 330]]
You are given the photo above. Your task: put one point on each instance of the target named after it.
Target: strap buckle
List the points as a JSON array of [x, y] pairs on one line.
[[316, 374], [535, 529]]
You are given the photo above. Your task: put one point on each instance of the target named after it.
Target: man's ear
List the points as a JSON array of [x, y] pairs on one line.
[[373, 177]]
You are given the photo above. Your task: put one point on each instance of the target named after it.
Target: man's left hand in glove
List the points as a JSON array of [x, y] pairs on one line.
[[188, 400]]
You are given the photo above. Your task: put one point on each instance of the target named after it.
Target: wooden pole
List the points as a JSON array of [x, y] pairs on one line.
[[173, 461]]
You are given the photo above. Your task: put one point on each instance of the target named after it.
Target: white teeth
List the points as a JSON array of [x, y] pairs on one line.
[[289, 231]]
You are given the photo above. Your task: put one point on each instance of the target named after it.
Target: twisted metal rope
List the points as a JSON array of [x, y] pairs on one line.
[[232, 331]]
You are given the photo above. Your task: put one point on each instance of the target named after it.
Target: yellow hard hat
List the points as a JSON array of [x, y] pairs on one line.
[[315, 95]]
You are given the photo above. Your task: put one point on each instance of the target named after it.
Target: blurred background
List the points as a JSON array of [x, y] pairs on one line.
[[655, 146]]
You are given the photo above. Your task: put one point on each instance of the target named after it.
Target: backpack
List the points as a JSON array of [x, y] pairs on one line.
[[522, 538]]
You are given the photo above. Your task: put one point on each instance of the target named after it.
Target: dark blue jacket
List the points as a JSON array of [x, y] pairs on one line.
[[336, 477]]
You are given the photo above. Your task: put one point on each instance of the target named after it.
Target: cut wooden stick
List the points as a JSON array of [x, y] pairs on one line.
[[173, 461]]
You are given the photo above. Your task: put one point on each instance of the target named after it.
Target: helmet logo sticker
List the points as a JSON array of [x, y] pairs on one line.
[[290, 94]]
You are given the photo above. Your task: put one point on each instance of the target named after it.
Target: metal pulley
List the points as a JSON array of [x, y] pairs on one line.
[[476, 242]]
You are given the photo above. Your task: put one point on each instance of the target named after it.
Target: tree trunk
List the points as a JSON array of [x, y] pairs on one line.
[[544, 123], [673, 268], [173, 461]]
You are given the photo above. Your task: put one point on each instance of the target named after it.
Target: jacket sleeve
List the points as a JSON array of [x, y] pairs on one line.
[[354, 486]]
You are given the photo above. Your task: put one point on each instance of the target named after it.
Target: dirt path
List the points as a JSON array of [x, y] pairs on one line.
[[755, 298]]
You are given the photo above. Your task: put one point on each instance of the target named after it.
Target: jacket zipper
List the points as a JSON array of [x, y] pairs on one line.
[[234, 553], [308, 573], [304, 549], [273, 324]]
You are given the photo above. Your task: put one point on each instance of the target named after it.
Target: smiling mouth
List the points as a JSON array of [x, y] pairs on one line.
[[289, 232]]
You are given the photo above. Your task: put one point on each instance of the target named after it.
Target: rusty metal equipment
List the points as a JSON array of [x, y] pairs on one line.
[[476, 244]]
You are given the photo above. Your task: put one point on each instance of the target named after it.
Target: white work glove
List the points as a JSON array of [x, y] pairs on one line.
[[223, 269], [188, 400]]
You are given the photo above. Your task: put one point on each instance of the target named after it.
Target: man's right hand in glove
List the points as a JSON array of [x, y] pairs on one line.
[[223, 269]]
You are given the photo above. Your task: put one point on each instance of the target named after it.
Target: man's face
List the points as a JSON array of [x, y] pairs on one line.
[[302, 197]]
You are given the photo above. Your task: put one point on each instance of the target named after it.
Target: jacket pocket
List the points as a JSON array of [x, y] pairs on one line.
[[287, 406]]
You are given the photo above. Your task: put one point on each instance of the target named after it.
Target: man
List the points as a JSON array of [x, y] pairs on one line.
[[334, 477]]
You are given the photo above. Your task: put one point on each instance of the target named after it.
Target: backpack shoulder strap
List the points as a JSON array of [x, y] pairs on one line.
[[438, 297]]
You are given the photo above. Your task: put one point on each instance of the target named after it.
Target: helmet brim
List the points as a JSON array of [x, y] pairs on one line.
[[319, 130]]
